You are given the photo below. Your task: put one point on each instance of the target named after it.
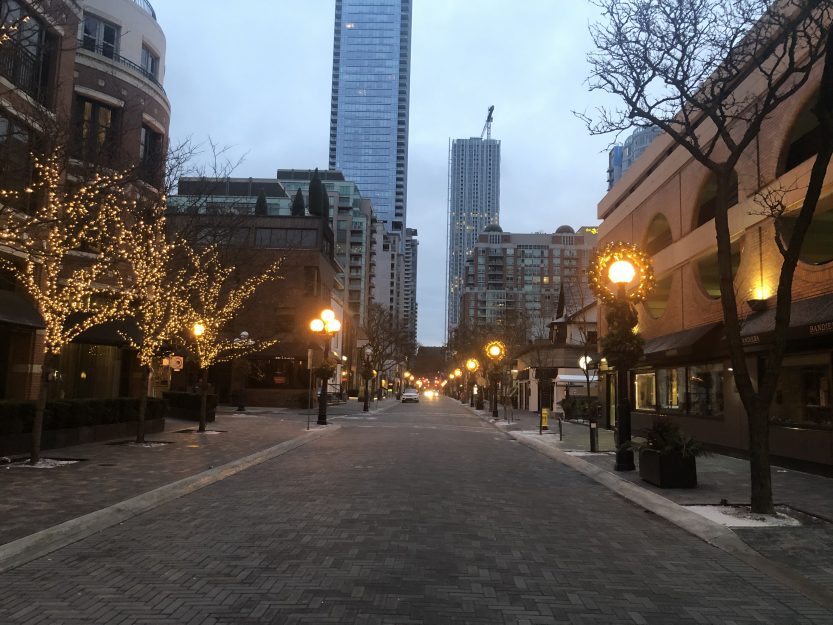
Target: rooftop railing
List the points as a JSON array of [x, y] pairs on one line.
[[146, 6]]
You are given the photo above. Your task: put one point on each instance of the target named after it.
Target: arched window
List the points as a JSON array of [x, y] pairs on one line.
[[658, 236], [817, 248], [804, 138], [709, 273], [705, 212]]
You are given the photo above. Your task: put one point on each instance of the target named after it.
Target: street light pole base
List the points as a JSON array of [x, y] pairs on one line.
[[624, 460]]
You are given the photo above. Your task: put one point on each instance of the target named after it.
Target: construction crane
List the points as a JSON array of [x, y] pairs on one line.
[[487, 127]]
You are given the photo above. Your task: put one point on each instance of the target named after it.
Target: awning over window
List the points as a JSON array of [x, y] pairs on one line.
[[702, 338], [19, 310], [573, 376], [808, 318]]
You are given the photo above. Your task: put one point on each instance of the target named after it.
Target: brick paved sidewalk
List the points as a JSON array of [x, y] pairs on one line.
[[807, 549], [36, 499]]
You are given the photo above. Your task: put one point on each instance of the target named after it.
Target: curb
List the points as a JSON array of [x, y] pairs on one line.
[[708, 531], [34, 546]]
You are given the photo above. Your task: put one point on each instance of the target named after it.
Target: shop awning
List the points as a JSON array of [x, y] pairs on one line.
[[19, 310], [573, 376], [809, 318], [683, 342]]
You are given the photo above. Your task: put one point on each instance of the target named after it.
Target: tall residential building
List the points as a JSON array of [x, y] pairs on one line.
[[409, 295], [621, 157], [473, 204], [369, 123], [520, 278], [370, 101]]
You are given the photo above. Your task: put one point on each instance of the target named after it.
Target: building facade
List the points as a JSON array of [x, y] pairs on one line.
[[526, 280], [83, 79], [665, 203], [370, 101], [621, 157], [369, 121], [473, 204]]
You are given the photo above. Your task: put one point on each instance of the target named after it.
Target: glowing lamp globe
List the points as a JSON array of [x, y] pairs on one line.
[[494, 351], [316, 325], [327, 314], [198, 329], [621, 272], [472, 365], [333, 325], [457, 373]]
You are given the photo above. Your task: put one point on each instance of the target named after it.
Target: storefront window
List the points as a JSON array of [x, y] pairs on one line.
[[671, 389], [87, 371], [705, 388], [645, 395], [803, 395]]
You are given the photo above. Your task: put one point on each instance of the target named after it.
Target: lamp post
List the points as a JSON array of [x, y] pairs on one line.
[[621, 275], [586, 364], [198, 330], [495, 351], [471, 368], [367, 371], [327, 325], [242, 367]]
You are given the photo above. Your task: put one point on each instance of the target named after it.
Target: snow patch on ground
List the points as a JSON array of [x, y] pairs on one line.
[[148, 444], [581, 452], [43, 463], [742, 516]]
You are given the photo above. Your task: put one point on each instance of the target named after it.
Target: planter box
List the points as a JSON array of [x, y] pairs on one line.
[[667, 470], [186, 406], [68, 437]]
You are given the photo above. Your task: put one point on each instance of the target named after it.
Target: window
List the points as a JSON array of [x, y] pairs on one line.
[[285, 238], [658, 236], [150, 63], [100, 36], [96, 128], [803, 395], [150, 154], [709, 272], [705, 388], [816, 248], [645, 391], [657, 300], [15, 162], [671, 389], [805, 137]]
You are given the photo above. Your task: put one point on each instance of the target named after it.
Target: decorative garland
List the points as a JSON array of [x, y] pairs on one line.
[[617, 250]]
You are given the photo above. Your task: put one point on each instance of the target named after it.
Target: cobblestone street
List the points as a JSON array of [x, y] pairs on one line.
[[418, 514]]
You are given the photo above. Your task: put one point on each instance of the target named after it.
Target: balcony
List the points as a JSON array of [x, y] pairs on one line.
[[24, 70], [99, 50]]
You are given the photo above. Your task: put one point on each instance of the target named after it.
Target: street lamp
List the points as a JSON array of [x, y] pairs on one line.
[[495, 350], [198, 330], [471, 368], [367, 371], [620, 276], [327, 325], [586, 364]]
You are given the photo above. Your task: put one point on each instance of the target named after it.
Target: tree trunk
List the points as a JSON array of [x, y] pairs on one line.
[[203, 397], [40, 408], [143, 405], [759, 469]]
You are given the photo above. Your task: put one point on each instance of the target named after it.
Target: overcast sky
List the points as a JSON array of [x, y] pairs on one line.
[[257, 77]]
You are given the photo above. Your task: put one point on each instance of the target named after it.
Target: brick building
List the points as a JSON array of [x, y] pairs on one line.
[[664, 203]]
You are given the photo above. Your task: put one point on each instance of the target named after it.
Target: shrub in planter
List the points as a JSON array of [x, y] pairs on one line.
[[579, 406], [187, 405], [667, 455]]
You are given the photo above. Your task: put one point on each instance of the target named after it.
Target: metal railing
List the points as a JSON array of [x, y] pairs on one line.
[[146, 6], [23, 69], [100, 51]]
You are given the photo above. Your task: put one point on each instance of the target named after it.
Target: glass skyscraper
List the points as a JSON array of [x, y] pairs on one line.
[[369, 107]]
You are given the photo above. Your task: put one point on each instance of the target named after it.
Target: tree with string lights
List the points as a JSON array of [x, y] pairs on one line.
[[64, 255], [211, 303]]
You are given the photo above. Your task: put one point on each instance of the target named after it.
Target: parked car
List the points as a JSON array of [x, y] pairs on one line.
[[410, 394]]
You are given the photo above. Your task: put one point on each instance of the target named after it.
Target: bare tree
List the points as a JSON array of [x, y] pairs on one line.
[[387, 337], [709, 73]]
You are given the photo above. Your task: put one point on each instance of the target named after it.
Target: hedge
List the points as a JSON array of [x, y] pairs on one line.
[[17, 417]]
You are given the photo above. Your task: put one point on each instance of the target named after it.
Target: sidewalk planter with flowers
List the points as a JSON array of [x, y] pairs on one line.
[[667, 456]]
